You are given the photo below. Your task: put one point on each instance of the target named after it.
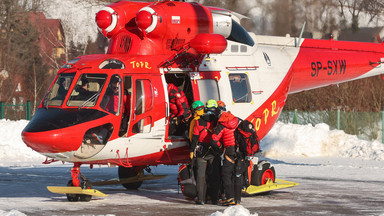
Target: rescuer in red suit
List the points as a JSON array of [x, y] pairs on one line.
[[224, 131], [179, 110], [203, 154]]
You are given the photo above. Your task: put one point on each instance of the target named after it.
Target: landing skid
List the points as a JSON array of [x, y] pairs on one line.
[[79, 188], [75, 190], [137, 178], [269, 186]]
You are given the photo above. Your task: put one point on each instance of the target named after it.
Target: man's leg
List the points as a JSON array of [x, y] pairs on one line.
[[201, 180]]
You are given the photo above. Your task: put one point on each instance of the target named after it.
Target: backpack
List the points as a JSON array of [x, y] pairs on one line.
[[247, 142], [187, 181]]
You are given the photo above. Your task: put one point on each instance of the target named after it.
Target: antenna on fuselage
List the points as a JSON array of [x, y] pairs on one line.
[[301, 34]]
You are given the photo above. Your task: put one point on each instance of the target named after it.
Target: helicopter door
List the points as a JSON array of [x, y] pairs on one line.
[[142, 105]]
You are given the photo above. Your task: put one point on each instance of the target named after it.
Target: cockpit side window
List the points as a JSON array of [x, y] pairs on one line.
[[239, 34], [59, 90], [112, 98], [87, 90]]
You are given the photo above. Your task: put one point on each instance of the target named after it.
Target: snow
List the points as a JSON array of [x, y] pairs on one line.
[[234, 210], [292, 140], [297, 151], [13, 151]]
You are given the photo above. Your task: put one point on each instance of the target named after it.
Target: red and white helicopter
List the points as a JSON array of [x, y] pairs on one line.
[[206, 53]]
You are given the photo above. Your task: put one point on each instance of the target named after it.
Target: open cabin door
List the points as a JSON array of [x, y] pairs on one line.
[[144, 105], [196, 86]]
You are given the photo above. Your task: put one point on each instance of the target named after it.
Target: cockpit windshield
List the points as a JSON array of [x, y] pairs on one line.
[[85, 93], [87, 90], [59, 90]]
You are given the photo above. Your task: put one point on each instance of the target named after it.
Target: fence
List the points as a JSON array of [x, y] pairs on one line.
[[366, 125], [15, 111]]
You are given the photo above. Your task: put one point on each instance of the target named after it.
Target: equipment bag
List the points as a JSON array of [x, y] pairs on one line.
[[246, 138], [187, 181]]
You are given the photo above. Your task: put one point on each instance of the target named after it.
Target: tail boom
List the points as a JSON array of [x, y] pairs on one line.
[[321, 63]]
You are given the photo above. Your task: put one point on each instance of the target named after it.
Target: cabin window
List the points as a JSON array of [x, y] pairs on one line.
[[234, 48], [59, 90], [144, 96], [243, 48], [239, 34], [112, 97], [241, 91], [208, 89]]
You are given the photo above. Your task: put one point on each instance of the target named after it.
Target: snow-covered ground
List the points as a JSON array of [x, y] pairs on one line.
[[335, 171]]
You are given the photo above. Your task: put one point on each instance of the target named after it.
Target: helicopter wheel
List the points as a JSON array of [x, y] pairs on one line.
[[72, 197], [85, 185], [261, 176], [127, 172]]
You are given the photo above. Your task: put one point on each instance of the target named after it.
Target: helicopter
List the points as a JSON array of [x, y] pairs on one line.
[[204, 51]]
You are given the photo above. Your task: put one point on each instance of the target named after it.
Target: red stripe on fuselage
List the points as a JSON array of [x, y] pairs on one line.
[[325, 62], [267, 114]]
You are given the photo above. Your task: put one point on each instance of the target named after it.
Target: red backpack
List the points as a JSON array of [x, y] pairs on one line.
[[247, 142]]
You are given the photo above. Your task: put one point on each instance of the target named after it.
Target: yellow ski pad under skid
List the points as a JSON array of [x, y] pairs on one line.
[[75, 190], [129, 180], [269, 186]]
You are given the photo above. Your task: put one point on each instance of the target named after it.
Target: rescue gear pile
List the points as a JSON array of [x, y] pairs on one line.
[[187, 181]]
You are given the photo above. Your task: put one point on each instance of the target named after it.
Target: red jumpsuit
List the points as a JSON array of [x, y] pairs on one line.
[[207, 161], [225, 131], [178, 102]]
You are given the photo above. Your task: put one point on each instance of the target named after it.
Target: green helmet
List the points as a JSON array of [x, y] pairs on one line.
[[197, 105], [211, 104]]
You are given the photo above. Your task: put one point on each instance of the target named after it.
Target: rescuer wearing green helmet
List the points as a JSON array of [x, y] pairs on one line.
[[204, 155], [198, 110]]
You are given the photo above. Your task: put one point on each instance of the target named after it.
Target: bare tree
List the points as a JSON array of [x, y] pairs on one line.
[[356, 7], [18, 46]]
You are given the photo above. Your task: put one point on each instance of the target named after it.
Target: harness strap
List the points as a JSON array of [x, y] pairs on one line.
[[229, 159]]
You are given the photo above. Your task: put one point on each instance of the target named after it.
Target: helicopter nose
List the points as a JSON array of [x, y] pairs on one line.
[[48, 141]]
